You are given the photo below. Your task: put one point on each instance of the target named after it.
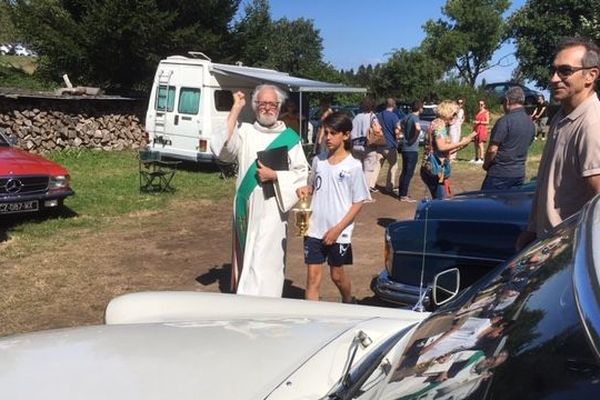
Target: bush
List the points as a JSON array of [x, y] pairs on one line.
[[20, 72]]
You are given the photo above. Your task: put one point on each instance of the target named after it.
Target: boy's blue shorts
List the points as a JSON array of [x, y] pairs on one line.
[[337, 254]]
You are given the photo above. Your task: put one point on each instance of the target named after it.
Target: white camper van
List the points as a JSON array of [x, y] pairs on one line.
[[191, 98]]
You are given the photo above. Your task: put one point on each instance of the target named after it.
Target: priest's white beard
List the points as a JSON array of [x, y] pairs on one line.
[[266, 119]]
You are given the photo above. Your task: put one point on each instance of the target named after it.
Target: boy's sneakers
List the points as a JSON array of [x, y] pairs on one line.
[[480, 161], [407, 199], [473, 161], [373, 190]]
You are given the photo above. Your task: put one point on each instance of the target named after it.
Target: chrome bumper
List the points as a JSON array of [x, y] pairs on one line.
[[398, 293]]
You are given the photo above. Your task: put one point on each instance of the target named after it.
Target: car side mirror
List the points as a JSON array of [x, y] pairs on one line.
[[446, 286]]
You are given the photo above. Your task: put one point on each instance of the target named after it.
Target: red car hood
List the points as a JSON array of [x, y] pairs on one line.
[[14, 161]]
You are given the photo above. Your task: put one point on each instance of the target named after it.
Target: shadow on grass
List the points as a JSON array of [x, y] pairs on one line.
[[9, 222], [292, 292], [222, 275], [225, 170], [376, 301]]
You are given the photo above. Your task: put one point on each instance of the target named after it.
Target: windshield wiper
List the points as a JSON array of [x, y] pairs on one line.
[[353, 380]]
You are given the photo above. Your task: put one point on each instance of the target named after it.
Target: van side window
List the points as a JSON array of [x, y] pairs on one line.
[[165, 98], [189, 101], [223, 100]]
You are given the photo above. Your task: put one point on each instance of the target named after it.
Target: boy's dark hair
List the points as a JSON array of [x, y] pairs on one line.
[[416, 105], [367, 104], [340, 122]]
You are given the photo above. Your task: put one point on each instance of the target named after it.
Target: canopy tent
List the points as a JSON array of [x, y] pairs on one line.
[[292, 83], [284, 80]]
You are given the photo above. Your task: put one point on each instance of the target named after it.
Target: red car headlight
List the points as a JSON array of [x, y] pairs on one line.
[[58, 182]]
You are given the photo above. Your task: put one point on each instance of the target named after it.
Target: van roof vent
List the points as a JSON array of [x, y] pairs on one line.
[[199, 54]]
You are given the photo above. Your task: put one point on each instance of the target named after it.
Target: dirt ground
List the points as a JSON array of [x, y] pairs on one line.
[[186, 247]]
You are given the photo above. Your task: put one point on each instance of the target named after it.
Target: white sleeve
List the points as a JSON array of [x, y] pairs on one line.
[[355, 134], [226, 151], [360, 189], [288, 181], [312, 172]]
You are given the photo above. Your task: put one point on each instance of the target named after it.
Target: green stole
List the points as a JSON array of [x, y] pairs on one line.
[[288, 138]]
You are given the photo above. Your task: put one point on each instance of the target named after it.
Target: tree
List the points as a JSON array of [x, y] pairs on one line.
[[8, 32], [253, 33], [540, 25], [466, 40], [117, 43], [590, 24], [408, 74], [293, 46]]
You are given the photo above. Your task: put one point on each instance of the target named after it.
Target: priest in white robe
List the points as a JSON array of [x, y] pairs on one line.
[[260, 222]]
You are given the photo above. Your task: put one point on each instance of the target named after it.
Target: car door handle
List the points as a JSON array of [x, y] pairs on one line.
[[176, 120], [186, 118]]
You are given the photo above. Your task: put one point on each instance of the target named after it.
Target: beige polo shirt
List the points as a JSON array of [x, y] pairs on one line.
[[572, 153]]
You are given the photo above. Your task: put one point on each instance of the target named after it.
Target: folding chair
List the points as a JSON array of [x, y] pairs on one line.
[[155, 174], [228, 170]]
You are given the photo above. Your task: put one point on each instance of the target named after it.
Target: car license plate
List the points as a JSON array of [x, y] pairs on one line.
[[24, 206]]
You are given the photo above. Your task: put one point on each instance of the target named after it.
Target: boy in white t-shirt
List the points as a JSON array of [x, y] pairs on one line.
[[339, 188]]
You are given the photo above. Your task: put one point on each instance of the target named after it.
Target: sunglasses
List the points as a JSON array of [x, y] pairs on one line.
[[565, 71], [266, 104]]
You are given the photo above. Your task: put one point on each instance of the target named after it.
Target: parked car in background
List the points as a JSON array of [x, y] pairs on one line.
[[528, 330], [315, 115], [29, 182], [473, 232], [6, 49], [498, 89], [20, 50]]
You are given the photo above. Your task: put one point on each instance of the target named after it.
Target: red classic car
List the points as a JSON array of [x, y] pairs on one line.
[[29, 182]]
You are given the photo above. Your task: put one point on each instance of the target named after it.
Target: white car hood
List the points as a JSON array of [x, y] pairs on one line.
[[175, 360]]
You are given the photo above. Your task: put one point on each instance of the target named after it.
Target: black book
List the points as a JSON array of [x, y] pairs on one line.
[[276, 159]]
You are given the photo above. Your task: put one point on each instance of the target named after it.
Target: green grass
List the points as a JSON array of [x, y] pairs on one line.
[[107, 187], [19, 72], [468, 153]]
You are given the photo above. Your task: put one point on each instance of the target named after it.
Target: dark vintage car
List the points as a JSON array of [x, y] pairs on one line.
[[473, 232], [530, 329], [499, 89], [29, 182]]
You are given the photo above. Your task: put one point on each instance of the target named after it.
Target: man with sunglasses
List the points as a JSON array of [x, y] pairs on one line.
[[260, 215], [569, 171]]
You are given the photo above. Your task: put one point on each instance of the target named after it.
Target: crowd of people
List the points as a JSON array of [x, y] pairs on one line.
[[345, 169]]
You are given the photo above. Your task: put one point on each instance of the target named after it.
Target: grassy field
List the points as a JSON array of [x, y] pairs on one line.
[[19, 72], [62, 270], [107, 186]]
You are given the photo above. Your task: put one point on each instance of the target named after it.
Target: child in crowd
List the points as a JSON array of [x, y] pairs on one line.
[[339, 188]]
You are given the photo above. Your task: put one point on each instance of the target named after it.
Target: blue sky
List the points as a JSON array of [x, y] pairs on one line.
[[359, 32]]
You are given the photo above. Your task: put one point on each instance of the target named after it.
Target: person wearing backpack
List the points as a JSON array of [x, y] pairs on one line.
[[410, 149], [386, 151]]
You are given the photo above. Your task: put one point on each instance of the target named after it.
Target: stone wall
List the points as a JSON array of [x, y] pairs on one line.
[[45, 124]]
